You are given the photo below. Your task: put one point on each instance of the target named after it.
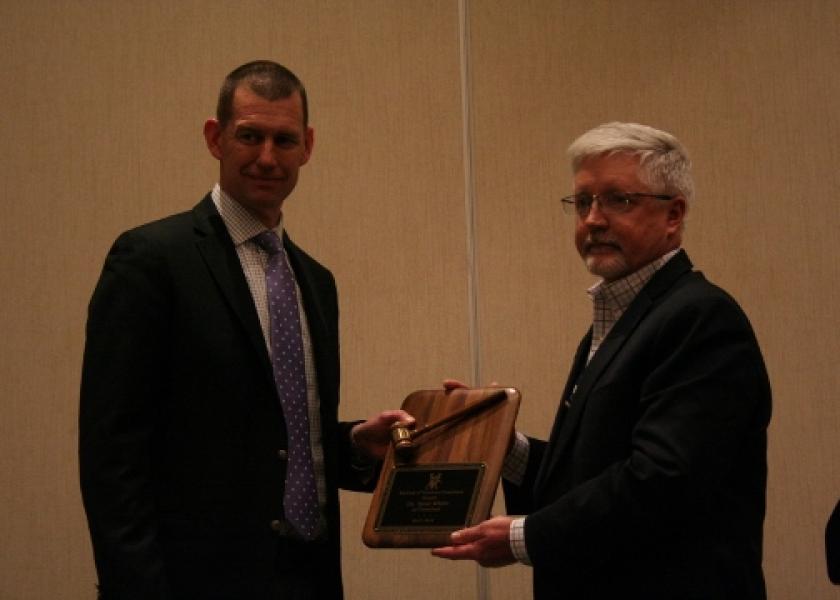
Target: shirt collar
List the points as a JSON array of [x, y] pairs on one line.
[[610, 300], [241, 224], [620, 293]]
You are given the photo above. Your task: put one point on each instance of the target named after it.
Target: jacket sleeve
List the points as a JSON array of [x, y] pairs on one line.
[[359, 473], [123, 379], [519, 499]]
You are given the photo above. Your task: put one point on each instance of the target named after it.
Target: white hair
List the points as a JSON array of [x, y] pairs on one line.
[[664, 162]]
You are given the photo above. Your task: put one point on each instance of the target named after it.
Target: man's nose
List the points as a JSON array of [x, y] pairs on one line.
[[595, 217], [267, 158]]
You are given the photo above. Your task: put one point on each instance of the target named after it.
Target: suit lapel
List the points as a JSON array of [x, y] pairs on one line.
[[584, 377], [311, 298], [216, 248], [321, 326], [569, 391]]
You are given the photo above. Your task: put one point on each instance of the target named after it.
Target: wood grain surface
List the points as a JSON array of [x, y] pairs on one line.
[[481, 437]]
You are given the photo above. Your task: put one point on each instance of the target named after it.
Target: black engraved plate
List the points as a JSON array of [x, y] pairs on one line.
[[429, 497]]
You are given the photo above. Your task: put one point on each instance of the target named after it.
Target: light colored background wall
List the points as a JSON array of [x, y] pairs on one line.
[[102, 108]]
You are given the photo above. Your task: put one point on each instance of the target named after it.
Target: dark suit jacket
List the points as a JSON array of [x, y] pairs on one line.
[[652, 484], [180, 425], [832, 545]]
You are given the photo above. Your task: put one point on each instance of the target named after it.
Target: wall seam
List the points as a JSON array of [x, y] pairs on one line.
[[482, 582]]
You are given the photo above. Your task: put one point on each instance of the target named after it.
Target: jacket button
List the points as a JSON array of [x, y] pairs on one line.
[[277, 525], [282, 454]]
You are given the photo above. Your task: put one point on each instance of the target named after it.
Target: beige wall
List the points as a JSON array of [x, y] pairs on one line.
[[452, 257]]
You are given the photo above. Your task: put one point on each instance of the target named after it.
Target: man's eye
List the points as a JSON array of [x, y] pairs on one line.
[[285, 141], [247, 137], [615, 199]]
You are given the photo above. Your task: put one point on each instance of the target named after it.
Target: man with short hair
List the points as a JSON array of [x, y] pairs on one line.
[[652, 483], [209, 442]]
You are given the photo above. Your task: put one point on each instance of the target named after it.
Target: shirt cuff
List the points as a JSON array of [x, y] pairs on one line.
[[517, 541], [516, 461], [362, 465]]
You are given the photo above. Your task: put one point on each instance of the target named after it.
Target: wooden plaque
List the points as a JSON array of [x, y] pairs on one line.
[[447, 478]]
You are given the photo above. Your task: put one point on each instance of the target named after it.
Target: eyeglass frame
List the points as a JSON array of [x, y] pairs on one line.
[[570, 205]]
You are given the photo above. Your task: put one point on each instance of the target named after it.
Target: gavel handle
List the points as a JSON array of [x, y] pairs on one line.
[[461, 414]]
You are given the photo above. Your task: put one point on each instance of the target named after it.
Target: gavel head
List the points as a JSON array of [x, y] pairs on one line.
[[401, 437]]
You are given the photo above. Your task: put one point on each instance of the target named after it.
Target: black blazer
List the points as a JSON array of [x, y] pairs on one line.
[[832, 545], [181, 430], [652, 484]]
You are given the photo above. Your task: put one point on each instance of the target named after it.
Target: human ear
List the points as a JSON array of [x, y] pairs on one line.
[[309, 143], [212, 133], [676, 213]]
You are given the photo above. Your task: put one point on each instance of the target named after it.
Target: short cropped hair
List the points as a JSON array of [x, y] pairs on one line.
[[665, 165], [265, 78]]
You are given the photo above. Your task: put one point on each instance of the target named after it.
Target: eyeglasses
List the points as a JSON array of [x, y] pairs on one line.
[[609, 202]]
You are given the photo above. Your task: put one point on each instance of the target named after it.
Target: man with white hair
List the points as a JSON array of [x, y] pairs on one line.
[[652, 483]]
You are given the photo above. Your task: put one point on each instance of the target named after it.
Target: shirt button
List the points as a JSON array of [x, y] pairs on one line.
[[282, 454]]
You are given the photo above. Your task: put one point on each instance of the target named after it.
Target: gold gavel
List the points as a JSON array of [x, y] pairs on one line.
[[403, 437]]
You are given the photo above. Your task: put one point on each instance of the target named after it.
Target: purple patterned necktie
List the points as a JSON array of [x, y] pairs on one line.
[[301, 495]]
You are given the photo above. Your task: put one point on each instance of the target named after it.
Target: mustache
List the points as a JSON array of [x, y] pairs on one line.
[[598, 240]]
